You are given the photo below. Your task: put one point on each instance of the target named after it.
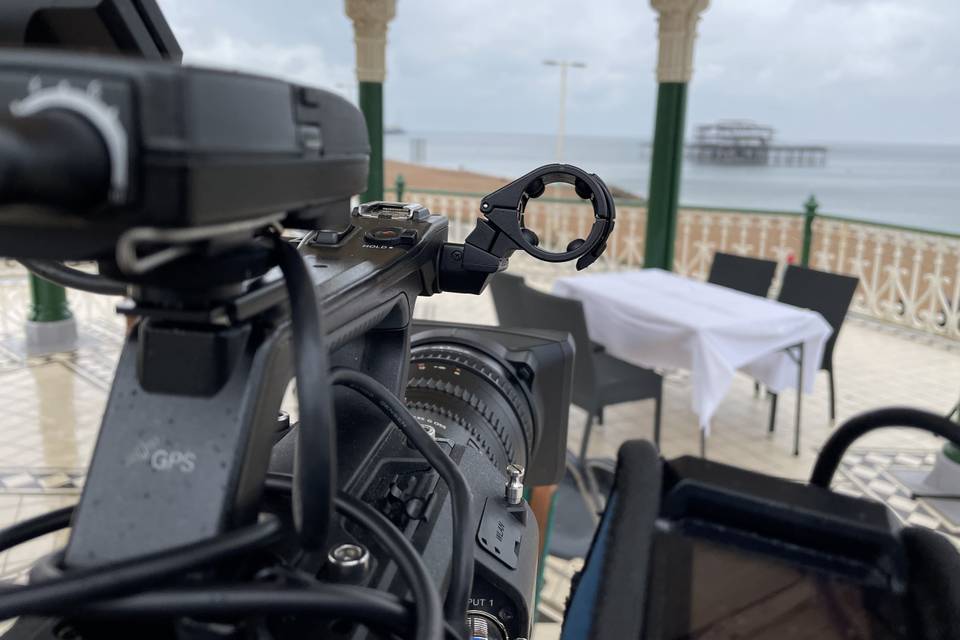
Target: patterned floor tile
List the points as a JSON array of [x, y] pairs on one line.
[[875, 477], [50, 410]]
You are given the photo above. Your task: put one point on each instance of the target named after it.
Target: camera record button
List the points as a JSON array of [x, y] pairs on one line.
[[391, 237]]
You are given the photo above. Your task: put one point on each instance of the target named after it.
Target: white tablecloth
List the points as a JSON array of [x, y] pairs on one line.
[[655, 318]]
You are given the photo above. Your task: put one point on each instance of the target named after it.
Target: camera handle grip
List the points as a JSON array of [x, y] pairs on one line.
[[465, 268]]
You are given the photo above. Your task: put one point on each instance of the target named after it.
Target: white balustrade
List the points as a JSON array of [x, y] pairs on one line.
[[703, 232], [907, 277]]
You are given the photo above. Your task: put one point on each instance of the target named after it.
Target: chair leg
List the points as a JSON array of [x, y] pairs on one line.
[[796, 424], [585, 442], [591, 482], [833, 397], [657, 410], [756, 388], [773, 412], [600, 417]]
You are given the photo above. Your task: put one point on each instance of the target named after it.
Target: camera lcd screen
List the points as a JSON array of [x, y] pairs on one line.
[[720, 592]]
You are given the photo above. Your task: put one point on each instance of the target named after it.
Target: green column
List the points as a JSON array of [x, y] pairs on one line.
[[48, 301], [371, 103], [370, 19], [952, 452], [665, 164]]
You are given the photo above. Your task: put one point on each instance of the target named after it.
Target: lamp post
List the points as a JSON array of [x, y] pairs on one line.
[[562, 119]]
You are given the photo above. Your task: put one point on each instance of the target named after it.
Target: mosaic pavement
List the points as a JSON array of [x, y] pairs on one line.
[[50, 409]]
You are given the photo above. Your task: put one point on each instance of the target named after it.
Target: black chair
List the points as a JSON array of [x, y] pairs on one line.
[[749, 275], [508, 299], [578, 501], [830, 295], [512, 306], [600, 380]]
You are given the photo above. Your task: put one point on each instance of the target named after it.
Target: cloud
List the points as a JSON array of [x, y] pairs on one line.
[[815, 69], [303, 63]]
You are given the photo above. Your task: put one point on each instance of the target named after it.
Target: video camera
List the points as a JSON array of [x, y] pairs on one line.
[[202, 511], [220, 205]]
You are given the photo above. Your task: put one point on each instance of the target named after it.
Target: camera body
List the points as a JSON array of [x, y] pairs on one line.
[[156, 172], [190, 429], [185, 212]]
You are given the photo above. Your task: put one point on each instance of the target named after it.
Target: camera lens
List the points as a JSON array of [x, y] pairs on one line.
[[473, 399]]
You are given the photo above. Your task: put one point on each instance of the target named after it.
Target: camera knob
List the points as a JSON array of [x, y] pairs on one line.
[[514, 488], [88, 105], [349, 562]]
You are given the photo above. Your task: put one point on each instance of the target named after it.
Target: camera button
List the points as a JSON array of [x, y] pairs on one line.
[[391, 237]]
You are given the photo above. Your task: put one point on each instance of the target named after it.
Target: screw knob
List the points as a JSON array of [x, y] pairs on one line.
[[349, 562], [514, 488]]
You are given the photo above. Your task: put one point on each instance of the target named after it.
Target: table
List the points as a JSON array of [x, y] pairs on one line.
[[657, 319]]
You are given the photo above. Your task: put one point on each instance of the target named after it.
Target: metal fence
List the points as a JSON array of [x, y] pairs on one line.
[[909, 277]]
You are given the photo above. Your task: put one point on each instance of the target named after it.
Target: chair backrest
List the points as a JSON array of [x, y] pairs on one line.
[[829, 294], [508, 298], [564, 314], [749, 275]]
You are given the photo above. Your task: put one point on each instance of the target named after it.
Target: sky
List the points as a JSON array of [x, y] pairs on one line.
[[816, 70]]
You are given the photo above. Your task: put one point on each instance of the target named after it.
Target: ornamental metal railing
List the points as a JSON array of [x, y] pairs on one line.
[[701, 233], [908, 277]]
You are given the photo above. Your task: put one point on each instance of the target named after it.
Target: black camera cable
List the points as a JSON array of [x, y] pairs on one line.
[[426, 600], [86, 585], [314, 464], [461, 573], [331, 601], [59, 273], [364, 605]]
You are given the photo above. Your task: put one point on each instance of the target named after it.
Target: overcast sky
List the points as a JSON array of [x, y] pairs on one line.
[[816, 70]]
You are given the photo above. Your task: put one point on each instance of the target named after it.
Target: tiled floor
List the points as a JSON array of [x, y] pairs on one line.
[[50, 409]]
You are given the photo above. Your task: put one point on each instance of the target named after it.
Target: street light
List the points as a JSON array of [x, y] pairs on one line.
[[562, 120]]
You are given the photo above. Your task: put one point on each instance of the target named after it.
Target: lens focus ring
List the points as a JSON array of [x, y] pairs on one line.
[[475, 400]]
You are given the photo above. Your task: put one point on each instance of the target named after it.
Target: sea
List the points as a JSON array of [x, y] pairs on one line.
[[911, 185]]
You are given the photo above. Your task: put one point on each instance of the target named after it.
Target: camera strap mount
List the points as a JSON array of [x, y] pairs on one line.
[[171, 244]]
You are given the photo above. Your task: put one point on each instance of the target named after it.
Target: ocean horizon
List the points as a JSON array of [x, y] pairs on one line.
[[914, 185]]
